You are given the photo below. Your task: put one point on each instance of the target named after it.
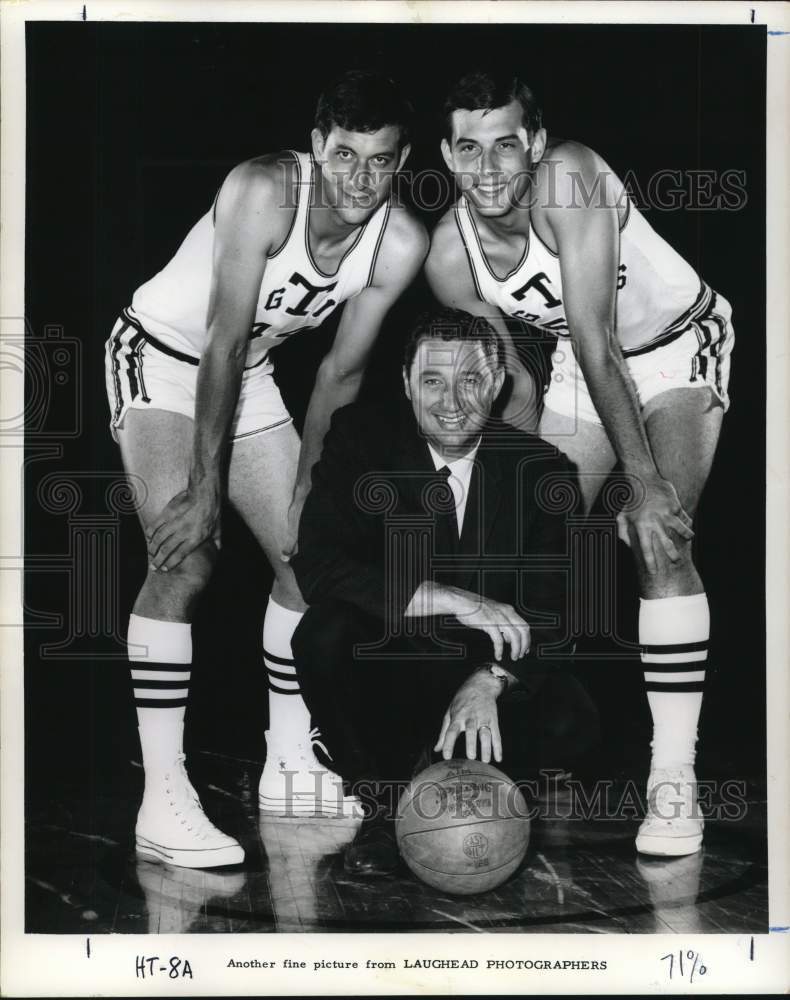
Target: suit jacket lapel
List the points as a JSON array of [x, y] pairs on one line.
[[418, 475], [482, 506], [412, 460], [418, 472]]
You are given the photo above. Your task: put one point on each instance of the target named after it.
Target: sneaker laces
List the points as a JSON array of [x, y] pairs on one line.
[[671, 796], [185, 802], [315, 741], [303, 751], [307, 754]]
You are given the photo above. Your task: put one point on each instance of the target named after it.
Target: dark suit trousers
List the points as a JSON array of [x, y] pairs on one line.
[[379, 710]]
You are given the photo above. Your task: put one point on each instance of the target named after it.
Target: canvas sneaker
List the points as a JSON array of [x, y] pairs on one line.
[[295, 783], [172, 827], [673, 824]]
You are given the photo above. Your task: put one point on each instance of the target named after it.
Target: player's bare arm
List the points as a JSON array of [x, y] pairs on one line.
[[587, 240], [450, 279], [249, 223], [340, 374]]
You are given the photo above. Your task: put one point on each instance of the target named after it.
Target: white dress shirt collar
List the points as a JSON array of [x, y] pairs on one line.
[[460, 477]]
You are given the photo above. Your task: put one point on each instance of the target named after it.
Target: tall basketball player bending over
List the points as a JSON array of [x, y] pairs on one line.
[[196, 412], [544, 230]]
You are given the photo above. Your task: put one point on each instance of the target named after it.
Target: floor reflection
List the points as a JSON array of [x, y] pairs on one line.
[[179, 900], [673, 886], [299, 876]]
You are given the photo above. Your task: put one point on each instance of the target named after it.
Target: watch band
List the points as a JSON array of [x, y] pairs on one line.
[[499, 673]]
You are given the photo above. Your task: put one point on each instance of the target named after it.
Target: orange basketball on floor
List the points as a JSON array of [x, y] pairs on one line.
[[462, 826]]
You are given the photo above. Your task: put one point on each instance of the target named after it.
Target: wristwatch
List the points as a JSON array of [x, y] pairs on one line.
[[499, 673]]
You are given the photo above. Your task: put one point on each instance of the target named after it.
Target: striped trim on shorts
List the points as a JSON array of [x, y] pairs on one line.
[[141, 371], [693, 353]]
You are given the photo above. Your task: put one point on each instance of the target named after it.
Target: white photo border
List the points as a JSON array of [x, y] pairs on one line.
[[56, 965]]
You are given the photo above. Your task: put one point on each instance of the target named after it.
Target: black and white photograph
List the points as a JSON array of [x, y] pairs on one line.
[[391, 545]]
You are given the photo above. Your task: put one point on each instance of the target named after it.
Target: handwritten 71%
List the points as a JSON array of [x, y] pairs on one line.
[[693, 964]]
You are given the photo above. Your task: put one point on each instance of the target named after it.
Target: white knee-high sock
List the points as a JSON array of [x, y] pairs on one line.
[[160, 655], [289, 719], [674, 634]]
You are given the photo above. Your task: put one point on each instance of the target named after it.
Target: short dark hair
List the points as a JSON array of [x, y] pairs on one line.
[[362, 101], [485, 89], [451, 325]]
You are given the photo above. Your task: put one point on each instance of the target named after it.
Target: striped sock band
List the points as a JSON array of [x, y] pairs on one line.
[[281, 673], [160, 685], [673, 635], [288, 715], [160, 658]]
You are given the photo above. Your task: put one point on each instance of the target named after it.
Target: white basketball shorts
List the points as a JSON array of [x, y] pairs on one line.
[[142, 373], [694, 353]]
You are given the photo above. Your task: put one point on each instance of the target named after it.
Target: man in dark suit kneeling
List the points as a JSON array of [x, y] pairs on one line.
[[433, 554]]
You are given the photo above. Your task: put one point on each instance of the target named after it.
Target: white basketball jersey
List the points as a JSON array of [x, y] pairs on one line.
[[295, 293], [656, 289]]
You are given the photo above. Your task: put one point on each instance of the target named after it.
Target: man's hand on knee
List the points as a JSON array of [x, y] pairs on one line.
[[189, 519], [290, 543], [656, 524], [500, 622]]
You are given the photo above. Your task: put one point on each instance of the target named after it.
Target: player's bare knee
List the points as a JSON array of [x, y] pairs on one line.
[[186, 581], [197, 567], [285, 589], [670, 578]]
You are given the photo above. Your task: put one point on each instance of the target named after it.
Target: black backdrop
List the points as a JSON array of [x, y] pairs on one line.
[[131, 128]]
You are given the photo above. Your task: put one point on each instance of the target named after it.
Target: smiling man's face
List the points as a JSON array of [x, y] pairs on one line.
[[452, 385], [492, 155], [358, 169]]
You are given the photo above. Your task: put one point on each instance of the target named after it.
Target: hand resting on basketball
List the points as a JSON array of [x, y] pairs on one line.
[[501, 622], [473, 712]]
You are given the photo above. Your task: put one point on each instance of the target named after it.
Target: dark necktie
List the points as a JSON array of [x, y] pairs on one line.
[[446, 516]]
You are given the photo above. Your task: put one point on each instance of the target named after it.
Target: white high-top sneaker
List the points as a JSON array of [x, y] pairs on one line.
[[295, 783], [171, 825], [673, 824]]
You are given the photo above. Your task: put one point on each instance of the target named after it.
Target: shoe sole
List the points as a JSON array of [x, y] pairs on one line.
[[214, 857], [669, 847], [370, 872], [309, 806]]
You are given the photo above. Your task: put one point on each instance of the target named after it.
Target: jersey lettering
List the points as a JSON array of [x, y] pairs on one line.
[[310, 294], [556, 324], [538, 282], [621, 277], [275, 299], [327, 305]]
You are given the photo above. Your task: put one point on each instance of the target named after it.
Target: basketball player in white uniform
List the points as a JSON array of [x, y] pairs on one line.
[[197, 413], [545, 231]]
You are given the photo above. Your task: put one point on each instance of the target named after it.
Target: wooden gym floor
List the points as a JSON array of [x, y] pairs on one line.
[[579, 875]]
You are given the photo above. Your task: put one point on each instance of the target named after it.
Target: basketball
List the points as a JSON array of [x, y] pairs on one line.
[[462, 826]]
